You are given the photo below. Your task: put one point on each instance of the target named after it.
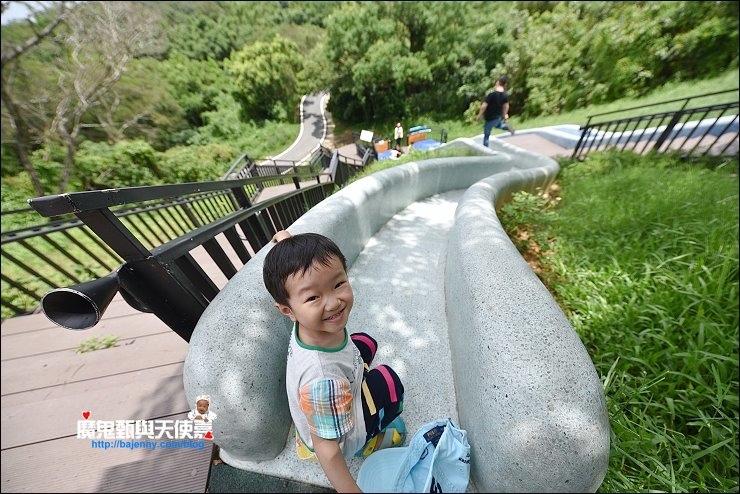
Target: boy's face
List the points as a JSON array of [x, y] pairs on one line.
[[202, 406], [320, 300]]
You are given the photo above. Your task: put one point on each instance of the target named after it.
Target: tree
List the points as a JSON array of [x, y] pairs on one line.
[[196, 84], [101, 40], [14, 112], [265, 79], [87, 55]]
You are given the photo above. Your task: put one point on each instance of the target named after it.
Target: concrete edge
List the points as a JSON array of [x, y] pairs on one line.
[[241, 325], [535, 410]]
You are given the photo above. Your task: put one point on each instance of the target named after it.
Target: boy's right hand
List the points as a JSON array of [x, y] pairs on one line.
[[281, 235]]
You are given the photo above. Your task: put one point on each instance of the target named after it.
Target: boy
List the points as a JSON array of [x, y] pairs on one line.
[[339, 406]]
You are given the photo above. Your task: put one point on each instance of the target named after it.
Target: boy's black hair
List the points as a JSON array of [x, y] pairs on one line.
[[503, 80], [296, 255]]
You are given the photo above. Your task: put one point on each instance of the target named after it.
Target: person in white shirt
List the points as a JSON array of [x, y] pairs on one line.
[[398, 135]]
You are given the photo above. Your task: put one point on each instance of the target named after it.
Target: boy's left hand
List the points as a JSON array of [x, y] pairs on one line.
[[281, 235]]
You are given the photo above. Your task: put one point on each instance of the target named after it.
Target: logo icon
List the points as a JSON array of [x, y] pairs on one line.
[[202, 417]]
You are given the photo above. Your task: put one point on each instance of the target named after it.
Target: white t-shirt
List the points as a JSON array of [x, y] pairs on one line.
[[324, 388]]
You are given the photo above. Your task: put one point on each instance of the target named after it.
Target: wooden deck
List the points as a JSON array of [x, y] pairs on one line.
[[47, 385]]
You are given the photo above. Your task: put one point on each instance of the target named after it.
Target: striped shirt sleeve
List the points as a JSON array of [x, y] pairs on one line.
[[327, 404]]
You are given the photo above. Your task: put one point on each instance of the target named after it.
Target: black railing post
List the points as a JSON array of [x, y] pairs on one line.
[[241, 197], [111, 231], [584, 131], [670, 127]]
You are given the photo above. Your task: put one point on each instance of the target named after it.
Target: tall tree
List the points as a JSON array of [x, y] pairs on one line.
[[101, 40], [41, 29], [265, 78], [82, 54]]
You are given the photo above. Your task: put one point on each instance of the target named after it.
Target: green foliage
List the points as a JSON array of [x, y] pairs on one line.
[[15, 191], [207, 36], [95, 343], [11, 163], [529, 216], [382, 61], [259, 139], [647, 264], [215, 30], [578, 53], [196, 85], [149, 112], [392, 59], [124, 164], [184, 164], [564, 56], [265, 79], [48, 163]]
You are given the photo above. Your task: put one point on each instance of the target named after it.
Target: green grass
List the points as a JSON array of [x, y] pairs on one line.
[[645, 265], [95, 343]]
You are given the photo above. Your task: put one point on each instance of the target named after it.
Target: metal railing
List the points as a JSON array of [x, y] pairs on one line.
[[705, 129], [70, 248], [244, 167], [162, 276], [139, 241]]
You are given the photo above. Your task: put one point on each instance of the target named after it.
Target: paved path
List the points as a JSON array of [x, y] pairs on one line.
[[537, 143], [314, 126]]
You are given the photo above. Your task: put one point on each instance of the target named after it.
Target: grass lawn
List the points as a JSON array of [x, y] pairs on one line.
[[642, 254]]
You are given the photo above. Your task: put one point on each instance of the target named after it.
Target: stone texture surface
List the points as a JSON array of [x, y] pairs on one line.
[[508, 366]]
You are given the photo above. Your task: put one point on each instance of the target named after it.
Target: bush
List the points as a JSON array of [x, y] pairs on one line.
[[125, 164], [196, 163]]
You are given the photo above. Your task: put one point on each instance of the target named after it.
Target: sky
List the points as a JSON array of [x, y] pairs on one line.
[[18, 11]]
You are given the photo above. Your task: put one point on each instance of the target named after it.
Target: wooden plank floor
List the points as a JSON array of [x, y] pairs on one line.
[[46, 385]]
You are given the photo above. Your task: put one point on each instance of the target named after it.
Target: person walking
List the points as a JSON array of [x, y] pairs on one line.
[[495, 110]]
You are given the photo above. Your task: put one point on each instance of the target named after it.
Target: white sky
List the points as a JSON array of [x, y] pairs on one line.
[[15, 11], [19, 11]]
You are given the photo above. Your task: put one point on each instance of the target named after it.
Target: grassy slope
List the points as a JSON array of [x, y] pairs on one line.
[[648, 254], [645, 265]]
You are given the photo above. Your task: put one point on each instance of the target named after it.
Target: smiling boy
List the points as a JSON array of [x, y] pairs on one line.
[[340, 407]]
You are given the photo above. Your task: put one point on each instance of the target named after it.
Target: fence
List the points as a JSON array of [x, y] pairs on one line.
[[105, 241], [705, 129]]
